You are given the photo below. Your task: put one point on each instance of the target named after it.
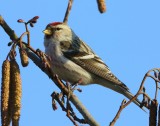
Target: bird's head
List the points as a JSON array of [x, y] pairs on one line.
[[58, 32]]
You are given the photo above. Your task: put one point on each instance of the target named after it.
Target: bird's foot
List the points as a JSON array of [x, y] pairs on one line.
[[44, 58], [74, 85]]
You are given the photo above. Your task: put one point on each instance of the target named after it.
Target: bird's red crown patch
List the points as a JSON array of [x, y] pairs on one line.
[[55, 23]]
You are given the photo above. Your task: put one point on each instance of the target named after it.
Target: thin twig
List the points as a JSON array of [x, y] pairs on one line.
[[142, 86], [118, 113], [140, 91], [28, 35], [71, 114], [154, 78], [30, 48], [156, 92], [89, 119], [21, 37], [70, 2]]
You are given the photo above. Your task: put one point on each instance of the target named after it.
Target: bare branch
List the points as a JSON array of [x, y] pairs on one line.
[[89, 119], [70, 2], [118, 113], [70, 113], [7, 29], [140, 91]]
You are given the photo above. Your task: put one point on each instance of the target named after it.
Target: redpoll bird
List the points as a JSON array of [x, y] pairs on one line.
[[72, 60]]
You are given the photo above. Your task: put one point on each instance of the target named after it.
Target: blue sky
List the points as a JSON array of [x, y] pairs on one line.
[[126, 37]]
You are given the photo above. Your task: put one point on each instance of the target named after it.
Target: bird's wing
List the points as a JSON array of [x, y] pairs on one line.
[[81, 54]]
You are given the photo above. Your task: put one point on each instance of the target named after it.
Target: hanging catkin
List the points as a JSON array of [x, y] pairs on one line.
[[24, 57], [15, 92], [5, 112], [101, 5]]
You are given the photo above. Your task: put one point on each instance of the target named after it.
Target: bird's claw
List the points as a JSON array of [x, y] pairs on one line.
[[44, 58], [74, 85]]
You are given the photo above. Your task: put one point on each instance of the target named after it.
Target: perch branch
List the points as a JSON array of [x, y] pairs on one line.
[[89, 119], [70, 2]]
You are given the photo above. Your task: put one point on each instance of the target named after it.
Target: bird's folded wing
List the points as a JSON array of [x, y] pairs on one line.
[[82, 55]]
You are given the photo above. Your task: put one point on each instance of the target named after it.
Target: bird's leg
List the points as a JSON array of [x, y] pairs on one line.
[[78, 82], [68, 104], [59, 97], [70, 113], [69, 91], [74, 85], [42, 55], [71, 88], [44, 58]]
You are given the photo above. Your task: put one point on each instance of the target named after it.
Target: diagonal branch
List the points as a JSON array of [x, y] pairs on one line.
[[73, 98], [7, 29]]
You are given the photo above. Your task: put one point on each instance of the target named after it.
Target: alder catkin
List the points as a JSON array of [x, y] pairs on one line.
[[15, 92], [24, 57], [5, 113], [101, 5]]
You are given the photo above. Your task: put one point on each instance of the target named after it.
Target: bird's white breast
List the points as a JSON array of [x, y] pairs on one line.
[[66, 69]]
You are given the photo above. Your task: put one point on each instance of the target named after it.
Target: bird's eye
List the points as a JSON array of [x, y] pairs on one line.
[[57, 29]]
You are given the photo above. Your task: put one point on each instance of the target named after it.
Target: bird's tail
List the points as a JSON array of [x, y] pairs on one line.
[[122, 89], [129, 95]]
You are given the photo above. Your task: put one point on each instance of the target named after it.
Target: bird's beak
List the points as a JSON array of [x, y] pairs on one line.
[[47, 32]]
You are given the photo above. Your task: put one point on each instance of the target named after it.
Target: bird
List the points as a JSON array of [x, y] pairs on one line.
[[73, 60]]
